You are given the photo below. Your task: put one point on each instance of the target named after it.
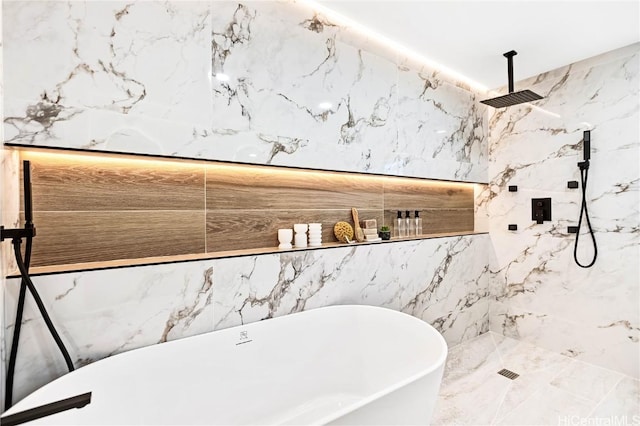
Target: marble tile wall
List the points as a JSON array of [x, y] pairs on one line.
[[542, 296], [443, 281], [141, 77], [100, 313]]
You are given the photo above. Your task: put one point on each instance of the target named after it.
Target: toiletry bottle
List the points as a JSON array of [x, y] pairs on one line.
[[418, 223], [400, 226], [409, 229]]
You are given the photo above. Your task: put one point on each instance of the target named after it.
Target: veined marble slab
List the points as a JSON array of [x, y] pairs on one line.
[[255, 82], [443, 281], [102, 313], [542, 296], [114, 70]]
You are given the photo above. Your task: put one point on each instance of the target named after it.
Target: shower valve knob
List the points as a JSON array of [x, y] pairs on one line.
[[540, 209]]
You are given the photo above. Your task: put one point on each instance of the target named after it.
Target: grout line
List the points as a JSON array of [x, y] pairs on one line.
[[575, 361], [468, 341], [599, 366], [560, 372], [604, 397], [495, 417], [520, 404], [497, 350]]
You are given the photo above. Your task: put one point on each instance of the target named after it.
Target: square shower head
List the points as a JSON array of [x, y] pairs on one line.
[[514, 98]]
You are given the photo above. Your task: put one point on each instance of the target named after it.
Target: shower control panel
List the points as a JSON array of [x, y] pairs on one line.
[[540, 209]]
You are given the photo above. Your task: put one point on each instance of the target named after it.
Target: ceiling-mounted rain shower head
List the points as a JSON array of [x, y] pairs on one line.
[[513, 98]]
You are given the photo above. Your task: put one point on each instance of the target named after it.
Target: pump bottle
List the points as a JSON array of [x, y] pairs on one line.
[[400, 226], [409, 225], [418, 224]]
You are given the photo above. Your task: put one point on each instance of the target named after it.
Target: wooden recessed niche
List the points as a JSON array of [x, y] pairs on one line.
[[98, 207]]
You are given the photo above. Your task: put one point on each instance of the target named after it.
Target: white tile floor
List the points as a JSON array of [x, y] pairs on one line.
[[552, 389]]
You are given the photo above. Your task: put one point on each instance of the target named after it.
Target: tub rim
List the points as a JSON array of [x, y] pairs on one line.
[[397, 385], [322, 420]]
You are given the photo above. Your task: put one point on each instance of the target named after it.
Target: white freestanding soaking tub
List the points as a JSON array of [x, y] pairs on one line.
[[334, 365]]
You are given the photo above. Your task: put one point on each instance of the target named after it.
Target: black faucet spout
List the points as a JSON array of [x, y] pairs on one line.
[[77, 401]]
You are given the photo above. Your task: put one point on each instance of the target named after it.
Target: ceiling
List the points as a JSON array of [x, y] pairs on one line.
[[469, 37]]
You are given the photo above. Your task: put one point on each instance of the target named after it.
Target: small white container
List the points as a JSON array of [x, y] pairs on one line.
[[300, 228], [315, 234], [301, 240], [285, 236], [301, 235]]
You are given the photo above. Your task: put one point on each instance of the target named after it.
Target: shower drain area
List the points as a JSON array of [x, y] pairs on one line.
[[508, 374]]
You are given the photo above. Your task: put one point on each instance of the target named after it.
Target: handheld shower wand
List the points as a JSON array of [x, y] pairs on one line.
[[584, 175], [16, 235]]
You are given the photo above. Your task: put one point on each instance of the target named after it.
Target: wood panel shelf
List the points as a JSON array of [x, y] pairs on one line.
[[98, 209], [159, 260]]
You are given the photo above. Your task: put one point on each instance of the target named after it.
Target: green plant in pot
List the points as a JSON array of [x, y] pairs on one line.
[[385, 233]]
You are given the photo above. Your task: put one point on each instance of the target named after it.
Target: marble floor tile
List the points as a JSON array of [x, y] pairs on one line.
[[471, 392], [587, 381], [548, 406], [462, 362], [551, 388], [471, 402], [621, 406]]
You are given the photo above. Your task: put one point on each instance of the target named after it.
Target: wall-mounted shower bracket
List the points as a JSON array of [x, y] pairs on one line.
[[540, 209], [586, 150], [29, 231], [6, 234]]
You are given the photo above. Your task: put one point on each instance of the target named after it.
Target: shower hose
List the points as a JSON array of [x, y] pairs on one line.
[[584, 175], [23, 265]]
